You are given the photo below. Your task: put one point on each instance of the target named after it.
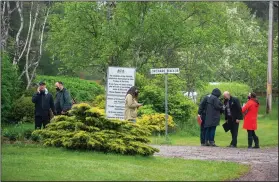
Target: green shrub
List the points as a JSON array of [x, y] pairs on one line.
[[23, 110], [10, 134], [35, 137], [153, 95], [146, 109], [183, 110], [180, 108], [10, 86], [18, 131], [238, 90], [80, 90], [27, 134], [156, 122], [100, 101], [87, 128]]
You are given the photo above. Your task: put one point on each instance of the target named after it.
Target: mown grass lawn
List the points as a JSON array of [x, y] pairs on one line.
[[36, 163]]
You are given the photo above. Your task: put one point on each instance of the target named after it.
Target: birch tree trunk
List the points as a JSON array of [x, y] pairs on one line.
[[27, 58], [17, 48], [40, 51]]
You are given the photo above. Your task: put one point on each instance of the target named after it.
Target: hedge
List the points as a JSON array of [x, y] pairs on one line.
[[81, 90]]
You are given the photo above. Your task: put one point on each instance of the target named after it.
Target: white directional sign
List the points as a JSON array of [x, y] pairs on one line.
[[164, 71], [119, 80]]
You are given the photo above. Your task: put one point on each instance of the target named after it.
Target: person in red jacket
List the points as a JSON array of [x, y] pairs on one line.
[[250, 111]]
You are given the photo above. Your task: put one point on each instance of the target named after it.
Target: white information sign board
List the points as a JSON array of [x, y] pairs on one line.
[[119, 81]]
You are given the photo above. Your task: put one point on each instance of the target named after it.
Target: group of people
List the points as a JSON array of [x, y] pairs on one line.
[[210, 111], [45, 105]]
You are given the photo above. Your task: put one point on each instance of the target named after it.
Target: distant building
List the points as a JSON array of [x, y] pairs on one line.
[[191, 95], [214, 83]]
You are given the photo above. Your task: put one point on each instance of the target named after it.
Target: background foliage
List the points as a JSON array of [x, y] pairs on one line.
[[238, 90], [10, 85]]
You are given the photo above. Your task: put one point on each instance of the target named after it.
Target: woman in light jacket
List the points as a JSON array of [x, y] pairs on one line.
[[131, 104], [250, 111]]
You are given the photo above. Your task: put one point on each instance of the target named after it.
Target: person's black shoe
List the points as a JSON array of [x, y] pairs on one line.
[[232, 146], [212, 144], [207, 144], [256, 147], [250, 147]]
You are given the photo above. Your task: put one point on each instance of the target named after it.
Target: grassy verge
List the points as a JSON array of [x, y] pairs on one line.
[[33, 162]]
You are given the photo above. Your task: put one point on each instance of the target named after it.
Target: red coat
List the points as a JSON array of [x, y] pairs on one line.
[[250, 111]]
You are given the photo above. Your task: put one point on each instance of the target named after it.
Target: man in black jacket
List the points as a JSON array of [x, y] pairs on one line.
[[43, 103], [233, 115], [202, 114]]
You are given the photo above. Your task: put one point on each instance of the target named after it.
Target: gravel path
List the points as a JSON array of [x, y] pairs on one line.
[[263, 162]]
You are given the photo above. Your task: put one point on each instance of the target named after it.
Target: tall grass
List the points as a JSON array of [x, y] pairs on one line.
[[262, 111]]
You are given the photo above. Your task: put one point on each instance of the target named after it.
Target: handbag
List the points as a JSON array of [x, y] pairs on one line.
[[199, 120], [226, 126]]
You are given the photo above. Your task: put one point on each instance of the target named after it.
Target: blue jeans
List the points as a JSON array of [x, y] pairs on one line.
[[210, 133]]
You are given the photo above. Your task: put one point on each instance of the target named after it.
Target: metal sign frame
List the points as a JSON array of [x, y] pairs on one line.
[[165, 71]]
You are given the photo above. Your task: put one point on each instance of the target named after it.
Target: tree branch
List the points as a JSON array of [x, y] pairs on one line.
[[28, 34], [19, 8]]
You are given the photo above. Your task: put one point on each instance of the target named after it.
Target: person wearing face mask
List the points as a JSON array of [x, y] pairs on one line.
[[250, 111], [131, 104], [63, 101], [43, 104], [248, 98], [233, 115]]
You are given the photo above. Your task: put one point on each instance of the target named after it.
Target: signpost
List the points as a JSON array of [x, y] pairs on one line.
[[119, 80], [165, 71]]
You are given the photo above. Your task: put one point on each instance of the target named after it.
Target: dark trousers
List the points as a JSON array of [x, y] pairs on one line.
[[210, 133], [234, 130], [39, 121], [252, 136], [202, 132]]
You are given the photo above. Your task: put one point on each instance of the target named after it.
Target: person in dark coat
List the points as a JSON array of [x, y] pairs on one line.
[[43, 103], [202, 114], [233, 115], [212, 119], [63, 100]]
